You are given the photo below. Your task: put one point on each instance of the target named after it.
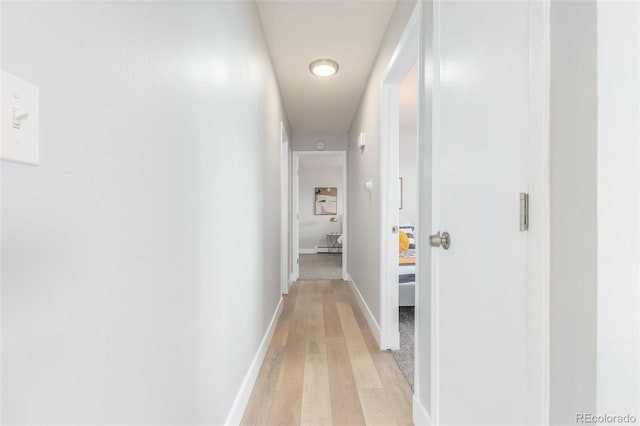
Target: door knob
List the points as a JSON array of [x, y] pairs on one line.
[[438, 240]]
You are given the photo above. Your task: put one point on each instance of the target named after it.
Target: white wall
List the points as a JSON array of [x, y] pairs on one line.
[[595, 195], [364, 207], [318, 171], [409, 146], [618, 356], [573, 117], [124, 299], [307, 141]]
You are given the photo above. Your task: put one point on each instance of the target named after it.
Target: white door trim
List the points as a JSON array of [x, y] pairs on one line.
[[405, 55], [433, 144], [424, 396], [284, 210], [295, 240], [538, 243]]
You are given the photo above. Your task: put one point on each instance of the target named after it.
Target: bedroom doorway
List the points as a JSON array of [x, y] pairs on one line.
[[399, 202], [319, 218], [408, 219]]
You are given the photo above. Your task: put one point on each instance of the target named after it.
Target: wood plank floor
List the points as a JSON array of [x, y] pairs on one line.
[[324, 367]]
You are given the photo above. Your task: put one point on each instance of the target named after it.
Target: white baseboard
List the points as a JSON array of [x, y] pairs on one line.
[[421, 416], [307, 251], [242, 397], [371, 320], [328, 250]]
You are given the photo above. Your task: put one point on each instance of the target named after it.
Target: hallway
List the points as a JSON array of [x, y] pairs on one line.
[[324, 366], [157, 200]]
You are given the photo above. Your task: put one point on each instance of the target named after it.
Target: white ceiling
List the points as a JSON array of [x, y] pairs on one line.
[[300, 31]]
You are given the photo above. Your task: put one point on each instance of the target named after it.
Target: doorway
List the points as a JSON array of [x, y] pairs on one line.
[[399, 201], [319, 238], [407, 281], [398, 196]]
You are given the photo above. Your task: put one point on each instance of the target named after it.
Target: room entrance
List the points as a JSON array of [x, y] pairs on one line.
[[319, 202]]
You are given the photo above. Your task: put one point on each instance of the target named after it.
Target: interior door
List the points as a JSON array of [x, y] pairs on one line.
[[481, 135]]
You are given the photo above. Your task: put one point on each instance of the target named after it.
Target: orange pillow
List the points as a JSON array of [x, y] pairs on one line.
[[404, 242]]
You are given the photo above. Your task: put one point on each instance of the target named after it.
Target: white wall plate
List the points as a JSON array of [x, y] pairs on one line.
[[361, 141], [19, 140]]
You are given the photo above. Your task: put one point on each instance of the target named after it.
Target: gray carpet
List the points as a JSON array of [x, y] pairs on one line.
[[405, 356], [321, 266]]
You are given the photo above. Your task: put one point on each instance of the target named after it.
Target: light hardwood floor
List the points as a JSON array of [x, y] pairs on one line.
[[324, 367]]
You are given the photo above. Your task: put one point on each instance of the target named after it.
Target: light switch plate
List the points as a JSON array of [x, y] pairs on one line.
[[20, 120], [361, 141]]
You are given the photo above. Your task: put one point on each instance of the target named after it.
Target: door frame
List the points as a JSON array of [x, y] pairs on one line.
[[538, 244], [284, 209], [404, 56], [295, 214], [539, 241]]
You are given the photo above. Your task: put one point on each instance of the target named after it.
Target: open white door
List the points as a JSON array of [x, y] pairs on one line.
[[487, 343]]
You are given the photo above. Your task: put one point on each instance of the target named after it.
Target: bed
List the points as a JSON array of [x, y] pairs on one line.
[[407, 270]]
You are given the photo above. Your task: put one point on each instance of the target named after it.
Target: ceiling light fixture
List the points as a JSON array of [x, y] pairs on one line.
[[323, 67]]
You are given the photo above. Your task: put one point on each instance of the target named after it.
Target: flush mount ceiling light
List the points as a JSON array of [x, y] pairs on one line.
[[323, 67]]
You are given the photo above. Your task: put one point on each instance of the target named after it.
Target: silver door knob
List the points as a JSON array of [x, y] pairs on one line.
[[438, 240]]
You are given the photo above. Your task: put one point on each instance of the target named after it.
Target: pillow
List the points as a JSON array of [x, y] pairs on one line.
[[404, 241], [406, 228], [409, 232]]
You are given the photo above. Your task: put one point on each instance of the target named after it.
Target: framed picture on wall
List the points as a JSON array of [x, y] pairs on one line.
[[326, 201]]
